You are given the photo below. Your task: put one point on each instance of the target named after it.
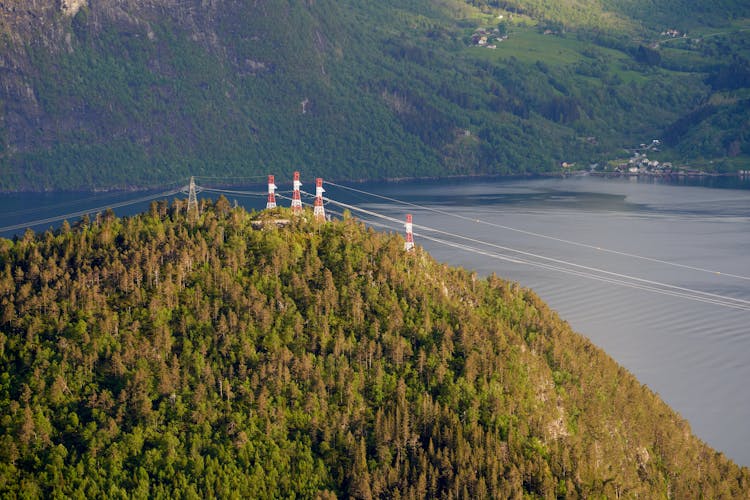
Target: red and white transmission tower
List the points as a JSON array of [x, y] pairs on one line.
[[409, 243], [319, 212], [296, 200], [271, 193]]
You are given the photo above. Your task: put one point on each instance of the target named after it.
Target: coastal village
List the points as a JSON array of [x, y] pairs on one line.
[[639, 164]]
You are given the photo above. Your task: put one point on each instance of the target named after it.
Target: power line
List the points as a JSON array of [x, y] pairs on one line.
[[245, 178], [580, 266], [695, 295], [81, 213], [581, 271], [539, 235], [521, 257], [592, 276], [233, 191], [98, 197], [42, 207], [558, 265]]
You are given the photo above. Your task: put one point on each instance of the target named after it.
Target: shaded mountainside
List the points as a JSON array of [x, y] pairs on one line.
[[140, 93], [154, 356]]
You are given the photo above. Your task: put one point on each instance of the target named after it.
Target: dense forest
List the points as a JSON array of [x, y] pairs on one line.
[[128, 94], [216, 354]]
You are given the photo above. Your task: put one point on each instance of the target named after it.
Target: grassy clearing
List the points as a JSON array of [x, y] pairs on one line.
[[529, 46]]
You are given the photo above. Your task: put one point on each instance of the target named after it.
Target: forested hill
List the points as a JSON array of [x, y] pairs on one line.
[[158, 356], [134, 93]]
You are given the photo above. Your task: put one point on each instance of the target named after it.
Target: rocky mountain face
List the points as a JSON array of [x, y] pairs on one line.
[[84, 83], [136, 93], [59, 28]]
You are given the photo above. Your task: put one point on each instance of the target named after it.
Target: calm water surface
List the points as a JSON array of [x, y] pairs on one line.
[[695, 355]]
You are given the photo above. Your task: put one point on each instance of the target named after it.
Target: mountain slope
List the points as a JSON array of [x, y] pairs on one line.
[[132, 94], [155, 356]]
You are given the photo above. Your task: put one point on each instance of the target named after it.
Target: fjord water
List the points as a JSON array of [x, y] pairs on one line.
[[695, 355]]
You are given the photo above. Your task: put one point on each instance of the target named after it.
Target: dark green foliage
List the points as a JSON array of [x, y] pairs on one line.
[[732, 76], [647, 55], [139, 95], [153, 356], [712, 128], [680, 128]]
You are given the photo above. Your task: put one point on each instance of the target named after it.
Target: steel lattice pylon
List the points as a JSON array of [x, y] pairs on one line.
[[192, 204]]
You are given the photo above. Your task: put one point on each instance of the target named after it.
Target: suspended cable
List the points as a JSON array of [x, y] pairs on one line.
[[574, 272], [209, 177], [582, 271], [81, 213], [99, 197], [558, 265], [69, 203], [232, 191], [580, 266], [539, 235], [586, 271]]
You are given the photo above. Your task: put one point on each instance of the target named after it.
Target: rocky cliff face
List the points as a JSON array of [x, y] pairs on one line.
[[56, 25], [117, 92], [23, 23], [61, 64], [71, 7]]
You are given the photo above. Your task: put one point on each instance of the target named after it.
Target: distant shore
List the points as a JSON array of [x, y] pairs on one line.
[[432, 178]]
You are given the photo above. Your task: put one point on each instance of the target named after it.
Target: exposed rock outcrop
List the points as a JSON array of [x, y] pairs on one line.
[[71, 7]]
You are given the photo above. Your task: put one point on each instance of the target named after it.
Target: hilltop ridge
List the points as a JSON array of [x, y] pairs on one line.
[[154, 355]]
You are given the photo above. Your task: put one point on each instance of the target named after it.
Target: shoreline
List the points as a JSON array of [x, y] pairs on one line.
[[665, 175], [743, 174]]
